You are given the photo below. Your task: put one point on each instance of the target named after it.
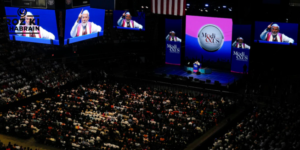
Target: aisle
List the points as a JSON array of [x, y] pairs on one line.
[[196, 143]]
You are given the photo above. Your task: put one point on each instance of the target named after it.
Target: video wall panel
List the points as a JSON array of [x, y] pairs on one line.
[[83, 23], [32, 25], [208, 39]]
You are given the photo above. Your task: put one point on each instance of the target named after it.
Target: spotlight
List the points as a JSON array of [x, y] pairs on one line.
[[206, 10], [229, 9], [185, 9], [206, 5], [219, 7], [188, 5], [201, 10], [224, 6], [146, 7], [142, 6]]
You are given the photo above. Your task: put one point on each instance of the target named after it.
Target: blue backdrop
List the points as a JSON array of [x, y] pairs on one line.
[[139, 19], [47, 19], [96, 15], [173, 25], [173, 53], [289, 29]]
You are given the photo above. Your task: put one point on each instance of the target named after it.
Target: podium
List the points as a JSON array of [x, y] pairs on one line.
[[201, 70], [205, 71]]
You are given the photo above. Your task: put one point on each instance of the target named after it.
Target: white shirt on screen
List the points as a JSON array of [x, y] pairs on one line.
[[286, 39], [133, 24], [176, 39], [95, 29], [44, 34], [244, 45]]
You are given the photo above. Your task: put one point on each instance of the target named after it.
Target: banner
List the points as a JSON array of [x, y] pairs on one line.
[[173, 53], [240, 48], [173, 33], [240, 60]]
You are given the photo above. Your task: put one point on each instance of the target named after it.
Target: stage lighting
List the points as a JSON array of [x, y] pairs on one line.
[[229, 9], [219, 7], [185, 9], [206, 10], [146, 7], [188, 5], [224, 6], [201, 10], [206, 5], [142, 6]]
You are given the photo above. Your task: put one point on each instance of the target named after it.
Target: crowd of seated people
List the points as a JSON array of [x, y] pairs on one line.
[[14, 87], [50, 74], [10, 146], [118, 117], [272, 128], [30, 72]]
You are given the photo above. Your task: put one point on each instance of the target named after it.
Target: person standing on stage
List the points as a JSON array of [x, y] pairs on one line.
[[196, 66]]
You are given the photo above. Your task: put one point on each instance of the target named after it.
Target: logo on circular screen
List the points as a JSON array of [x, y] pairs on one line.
[[210, 38], [22, 11]]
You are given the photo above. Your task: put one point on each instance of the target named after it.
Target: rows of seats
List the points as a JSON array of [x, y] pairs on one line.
[[271, 127], [26, 72], [111, 115], [11, 146], [14, 87]]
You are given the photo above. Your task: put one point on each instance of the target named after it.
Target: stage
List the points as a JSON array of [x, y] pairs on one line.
[[223, 77]]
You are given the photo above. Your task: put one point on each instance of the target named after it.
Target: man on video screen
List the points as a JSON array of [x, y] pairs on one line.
[[85, 27], [125, 21], [172, 37], [36, 32], [274, 35], [239, 43]]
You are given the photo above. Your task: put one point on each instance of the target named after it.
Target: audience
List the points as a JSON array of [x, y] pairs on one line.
[[30, 73], [13, 147], [15, 87], [273, 127], [118, 116]]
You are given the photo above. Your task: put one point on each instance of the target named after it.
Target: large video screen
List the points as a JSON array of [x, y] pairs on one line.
[[32, 25], [125, 20], [276, 33], [208, 40], [83, 23]]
